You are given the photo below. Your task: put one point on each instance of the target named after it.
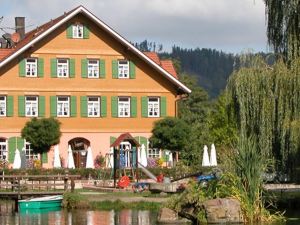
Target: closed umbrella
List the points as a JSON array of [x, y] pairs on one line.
[[56, 160], [213, 156], [17, 160], [143, 156], [89, 159], [205, 159], [71, 164]]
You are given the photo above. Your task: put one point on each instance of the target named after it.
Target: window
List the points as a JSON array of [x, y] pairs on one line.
[[77, 31], [29, 152], [63, 106], [93, 68], [31, 67], [153, 107], [124, 107], [62, 68], [2, 105], [3, 149], [93, 106], [123, 69], [31, 105], [153, 153]]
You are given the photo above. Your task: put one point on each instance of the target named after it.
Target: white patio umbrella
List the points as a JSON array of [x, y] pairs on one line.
[[89, 159], [143, 156], [70, 164], [205, 159], [56, 160], [17, 160], [213, 156]]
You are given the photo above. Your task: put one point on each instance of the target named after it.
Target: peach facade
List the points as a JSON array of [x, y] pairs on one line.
[[99, 45]]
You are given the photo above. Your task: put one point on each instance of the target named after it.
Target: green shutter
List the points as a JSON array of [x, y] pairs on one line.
[[131, 70], [41, 106], [40, 67], [133, 106], [70, 31], [84, 68], [72, 68], [53, 67], [10, 106], [21, 106], [114, 106], [115, 74], [73, 106], [20, 143], [144, 105], [102, 68], [112, 140], [11, 149], [86, 32], [163, 106], [83, 106], [103, 106], [45, 157], [22, 68], [53, 105]]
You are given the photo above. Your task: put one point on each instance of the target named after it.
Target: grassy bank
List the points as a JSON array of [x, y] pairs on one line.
[[99, 201]]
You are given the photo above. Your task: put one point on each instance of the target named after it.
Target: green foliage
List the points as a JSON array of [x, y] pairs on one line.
[[283, 26], [74, 200], [119, 205], [42, 133], [266, 104], [170, 133], [194, 111]]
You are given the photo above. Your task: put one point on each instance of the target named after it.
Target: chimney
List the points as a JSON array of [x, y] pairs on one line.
[[20, 26]]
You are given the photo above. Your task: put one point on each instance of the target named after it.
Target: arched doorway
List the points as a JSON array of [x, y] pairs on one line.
[[79, 148]]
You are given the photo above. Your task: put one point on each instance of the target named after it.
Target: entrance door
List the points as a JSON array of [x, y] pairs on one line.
[[79, 148], [126, 147]]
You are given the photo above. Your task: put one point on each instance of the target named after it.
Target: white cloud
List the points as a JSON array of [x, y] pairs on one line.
[[232, 25]]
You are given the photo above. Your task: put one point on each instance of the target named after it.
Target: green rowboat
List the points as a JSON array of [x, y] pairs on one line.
[[40, 203]]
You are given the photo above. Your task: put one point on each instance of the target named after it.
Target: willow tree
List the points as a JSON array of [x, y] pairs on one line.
[[283, 20], [267, 104]]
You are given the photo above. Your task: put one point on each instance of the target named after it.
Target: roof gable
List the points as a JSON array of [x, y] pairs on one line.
[[41, 32]]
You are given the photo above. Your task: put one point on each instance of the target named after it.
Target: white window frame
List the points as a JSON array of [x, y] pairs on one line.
[[63, 68], [63, 106], [124, 106], [31, 67], [29, 152], [31, 106], [3, 149], [93, 68], [154, 153], [153, 107], [3, 106], [93, 106], [123, 69], [77, 31]]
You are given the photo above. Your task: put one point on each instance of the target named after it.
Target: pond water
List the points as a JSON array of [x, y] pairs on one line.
[[91, 217]]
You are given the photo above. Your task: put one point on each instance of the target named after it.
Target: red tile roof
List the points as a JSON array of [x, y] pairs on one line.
[[5, 52], [165, 64], [169, 67], [127, 137]]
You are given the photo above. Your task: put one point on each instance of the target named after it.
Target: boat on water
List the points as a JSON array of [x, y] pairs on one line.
[[42, 202]]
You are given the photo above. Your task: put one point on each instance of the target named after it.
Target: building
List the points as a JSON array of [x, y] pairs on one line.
[[79, 70]]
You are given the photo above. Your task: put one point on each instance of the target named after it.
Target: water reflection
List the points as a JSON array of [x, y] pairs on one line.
[[75, 217]]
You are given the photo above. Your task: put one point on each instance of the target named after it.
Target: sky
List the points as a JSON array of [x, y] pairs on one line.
[[232, 26]]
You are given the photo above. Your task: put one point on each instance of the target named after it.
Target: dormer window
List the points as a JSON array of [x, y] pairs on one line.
[[77, 31]]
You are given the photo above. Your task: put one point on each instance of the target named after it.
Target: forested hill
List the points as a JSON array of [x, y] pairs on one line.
[[211, 67]]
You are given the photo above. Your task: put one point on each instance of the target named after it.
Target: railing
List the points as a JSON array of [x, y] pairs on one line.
[[36, 184]]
